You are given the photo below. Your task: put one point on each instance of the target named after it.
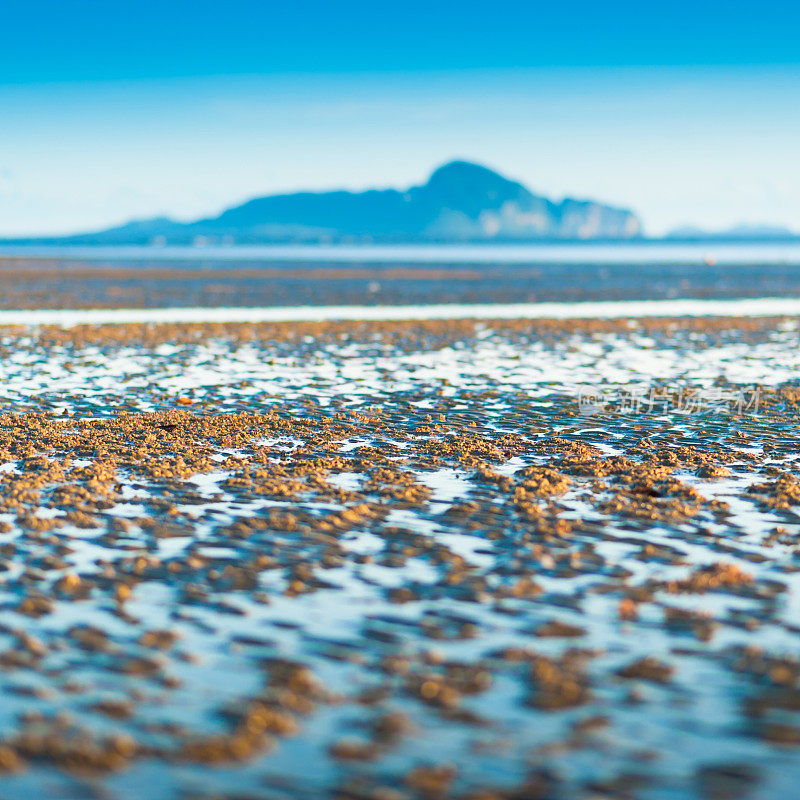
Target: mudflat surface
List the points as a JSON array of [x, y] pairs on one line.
[[462, 559], [27, 282]]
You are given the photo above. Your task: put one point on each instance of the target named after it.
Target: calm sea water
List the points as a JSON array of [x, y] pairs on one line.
[[545, 253]]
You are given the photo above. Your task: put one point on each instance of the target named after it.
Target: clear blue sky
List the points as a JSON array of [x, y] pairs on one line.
[[685, 111]]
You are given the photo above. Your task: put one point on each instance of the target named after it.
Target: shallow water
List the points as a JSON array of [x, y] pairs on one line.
[[410, 547], [634, 309]]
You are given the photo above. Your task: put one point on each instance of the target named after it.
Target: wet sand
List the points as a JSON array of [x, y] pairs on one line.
[[214, 282], [400, 560]]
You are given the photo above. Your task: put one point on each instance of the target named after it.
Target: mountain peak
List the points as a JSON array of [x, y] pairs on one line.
[[459, 170], [469, 179]]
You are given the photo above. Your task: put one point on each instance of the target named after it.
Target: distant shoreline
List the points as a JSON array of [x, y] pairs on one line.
[[629, 251], [88, 241]]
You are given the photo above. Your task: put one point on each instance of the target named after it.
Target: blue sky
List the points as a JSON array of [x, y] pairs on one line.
[[686, 112]]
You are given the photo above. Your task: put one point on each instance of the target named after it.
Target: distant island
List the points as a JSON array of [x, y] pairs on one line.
[[460, 202]]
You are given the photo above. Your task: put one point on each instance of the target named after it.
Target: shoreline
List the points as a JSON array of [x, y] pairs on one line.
[[633, 309]]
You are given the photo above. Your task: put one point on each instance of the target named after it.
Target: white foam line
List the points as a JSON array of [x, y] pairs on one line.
[[763, 306]]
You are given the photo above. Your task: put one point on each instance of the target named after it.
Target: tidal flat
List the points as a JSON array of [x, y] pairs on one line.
[[401, 560]]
